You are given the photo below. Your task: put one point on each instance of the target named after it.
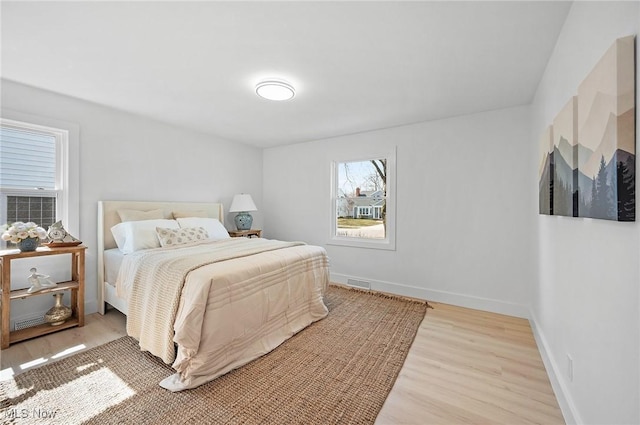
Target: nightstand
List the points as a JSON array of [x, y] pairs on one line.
[[245, 233]]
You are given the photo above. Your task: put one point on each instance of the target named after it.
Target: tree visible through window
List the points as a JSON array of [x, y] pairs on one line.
[[363, 204], [361, 199]]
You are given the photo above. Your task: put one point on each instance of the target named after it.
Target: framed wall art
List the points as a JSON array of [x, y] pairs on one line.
[[565, 161], [606, 136], [588, 156], [545, 173]]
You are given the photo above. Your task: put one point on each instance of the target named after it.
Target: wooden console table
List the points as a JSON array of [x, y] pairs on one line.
[[75, 285]]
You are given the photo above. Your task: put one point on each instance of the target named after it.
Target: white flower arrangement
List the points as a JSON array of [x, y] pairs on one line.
[[19, 231]]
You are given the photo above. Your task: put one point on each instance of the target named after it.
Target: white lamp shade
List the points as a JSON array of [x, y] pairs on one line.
[[242, 202]]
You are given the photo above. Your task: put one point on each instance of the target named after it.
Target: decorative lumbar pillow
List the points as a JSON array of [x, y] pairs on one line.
[[132, 236], [173, 237], [214, 228], [136, 215], [184, 214]]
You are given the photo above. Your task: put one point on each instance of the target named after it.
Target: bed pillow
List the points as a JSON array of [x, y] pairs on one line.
[[136, 215], [214, 228], [173, 237], [132, 236], [185, 214]]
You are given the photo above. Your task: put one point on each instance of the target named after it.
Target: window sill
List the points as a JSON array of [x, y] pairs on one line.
[[383, 244]]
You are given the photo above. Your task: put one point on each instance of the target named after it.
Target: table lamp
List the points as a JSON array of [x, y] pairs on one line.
[[242, 204]]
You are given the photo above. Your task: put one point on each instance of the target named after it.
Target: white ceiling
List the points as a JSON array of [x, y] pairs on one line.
[[357, 66]]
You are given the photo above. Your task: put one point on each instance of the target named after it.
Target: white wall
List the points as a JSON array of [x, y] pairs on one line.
[[127, 157], [463, 218], [586, 303]]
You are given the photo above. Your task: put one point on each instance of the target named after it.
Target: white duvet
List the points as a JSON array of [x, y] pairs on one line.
[[245, 298]]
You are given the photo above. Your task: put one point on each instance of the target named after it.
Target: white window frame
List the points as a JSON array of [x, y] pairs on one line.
[[389, 242], [67, 164]]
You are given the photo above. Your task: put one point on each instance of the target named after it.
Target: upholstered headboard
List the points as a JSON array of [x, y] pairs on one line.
[[108, 214], [108, 217]]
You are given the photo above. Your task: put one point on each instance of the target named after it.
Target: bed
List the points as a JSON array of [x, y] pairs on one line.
[[209, 303]]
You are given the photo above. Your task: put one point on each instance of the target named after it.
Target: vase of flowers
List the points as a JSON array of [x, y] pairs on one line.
[[25, 235]]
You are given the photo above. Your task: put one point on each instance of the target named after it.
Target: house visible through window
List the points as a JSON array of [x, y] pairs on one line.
[[363, 203], [31, 174]]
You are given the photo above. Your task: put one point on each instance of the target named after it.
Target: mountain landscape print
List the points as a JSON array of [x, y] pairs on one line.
[[587, 157], [606, 136], [545, 173], [565, 161]]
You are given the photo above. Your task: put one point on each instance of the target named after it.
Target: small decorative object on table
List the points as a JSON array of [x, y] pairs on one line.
[[58, 236], [58, 313], [25, 235], [38, 281]]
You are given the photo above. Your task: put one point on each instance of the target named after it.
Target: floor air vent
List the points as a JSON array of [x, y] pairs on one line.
[[27, 323], [359, 283]]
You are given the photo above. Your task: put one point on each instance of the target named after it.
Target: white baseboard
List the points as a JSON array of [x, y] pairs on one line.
[[468, 301], [569, 411]]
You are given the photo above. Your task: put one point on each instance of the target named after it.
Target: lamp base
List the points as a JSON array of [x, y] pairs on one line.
[[243, 221]]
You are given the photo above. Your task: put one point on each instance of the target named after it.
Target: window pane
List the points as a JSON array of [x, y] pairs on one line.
[[39, 209], [361, 199], [27, 159]]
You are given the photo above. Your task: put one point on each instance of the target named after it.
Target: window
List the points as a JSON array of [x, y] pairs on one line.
[[363, 202], [32, 175]]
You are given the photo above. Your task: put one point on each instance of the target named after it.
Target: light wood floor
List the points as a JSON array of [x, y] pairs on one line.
[[465, 366]]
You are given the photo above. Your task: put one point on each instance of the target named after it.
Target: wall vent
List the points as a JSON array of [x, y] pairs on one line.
[[359, 283], [27, 323]]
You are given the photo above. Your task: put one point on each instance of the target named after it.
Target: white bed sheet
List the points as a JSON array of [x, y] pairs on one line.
[[112, 261]]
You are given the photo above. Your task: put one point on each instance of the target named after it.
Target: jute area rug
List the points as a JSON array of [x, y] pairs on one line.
[[338, 370]]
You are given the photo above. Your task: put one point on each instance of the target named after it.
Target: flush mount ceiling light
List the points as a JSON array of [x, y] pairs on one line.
[[275, 90]]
